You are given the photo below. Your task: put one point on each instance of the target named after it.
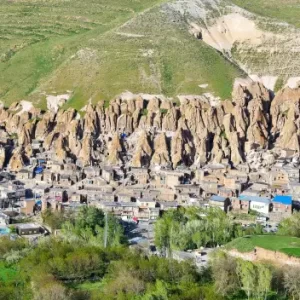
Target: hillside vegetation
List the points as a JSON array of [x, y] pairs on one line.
[[97, 49], [281, 10]]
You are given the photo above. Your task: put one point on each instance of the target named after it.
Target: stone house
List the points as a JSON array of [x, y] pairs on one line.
[[24, 174], [27, 206], [282, 204], [188, 188], [47, 176], [125, 196], [146, 202], [242, 205], [226, 192], [140, 175], [209, 188], [278, 176], [166, 205], [91, 172], [59, 194], [56, 167], [168, 178], [220, 202]]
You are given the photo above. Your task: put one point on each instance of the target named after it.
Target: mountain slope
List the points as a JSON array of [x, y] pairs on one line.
[[96, 49]]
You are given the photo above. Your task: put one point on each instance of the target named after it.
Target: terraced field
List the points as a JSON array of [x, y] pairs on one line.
[[98, 49]]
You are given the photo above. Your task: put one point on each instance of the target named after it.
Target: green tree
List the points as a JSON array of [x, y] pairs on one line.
[[247, 275], [264, 279], [224, 272], [290, 226]]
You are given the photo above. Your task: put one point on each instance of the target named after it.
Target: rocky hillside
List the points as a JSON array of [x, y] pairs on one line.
[[94, 50], [145, 130]]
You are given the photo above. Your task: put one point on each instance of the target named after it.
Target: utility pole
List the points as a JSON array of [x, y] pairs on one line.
[[105, 231]]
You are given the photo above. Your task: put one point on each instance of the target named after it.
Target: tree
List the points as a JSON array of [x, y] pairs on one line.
[[290, 226], [292, 282], [53, 219], [224, 273], [247, 275], [264, 279]]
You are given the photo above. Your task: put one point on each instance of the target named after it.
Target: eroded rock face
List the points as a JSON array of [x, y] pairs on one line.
[[2, 157], [149, 132], [16, 162]]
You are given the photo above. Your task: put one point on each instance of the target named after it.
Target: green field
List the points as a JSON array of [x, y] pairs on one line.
[[285, 244], [281, 10], [98, 49]]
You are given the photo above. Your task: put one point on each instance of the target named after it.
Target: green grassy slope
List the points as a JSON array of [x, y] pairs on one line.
[[53, 46], [281, 10], [285, 244]]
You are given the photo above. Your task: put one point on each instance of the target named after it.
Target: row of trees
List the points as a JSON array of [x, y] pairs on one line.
[[191, 228], [235, 277], [87, 226]]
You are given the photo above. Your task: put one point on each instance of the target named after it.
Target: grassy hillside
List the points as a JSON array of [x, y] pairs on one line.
[[281, 10], [285, 244], [97, 49]]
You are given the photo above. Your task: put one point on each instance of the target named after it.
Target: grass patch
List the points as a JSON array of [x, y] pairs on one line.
[[281, 10], [7, 274], [285, 244], [88, 286]]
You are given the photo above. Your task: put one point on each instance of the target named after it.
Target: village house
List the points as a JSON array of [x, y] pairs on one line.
[[188, 188], [59, 194], [168, 178], [166, 205], [64, 180], [220, 202], [257, 203], [40, 191], [91, 172], [140, 175], [56, 167], [282, 204], [27, 206], [107, 173], [47, 176], [125, 196], [165, 194], [209, 188], [70, 206], [148, 209], [278, 176], [29, 229], [146, 202], [227, 192], [77, 197], [241, 205], [24, 174]]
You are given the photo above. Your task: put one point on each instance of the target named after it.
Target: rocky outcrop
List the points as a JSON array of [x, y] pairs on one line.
[[16, 162], [155, 131]]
